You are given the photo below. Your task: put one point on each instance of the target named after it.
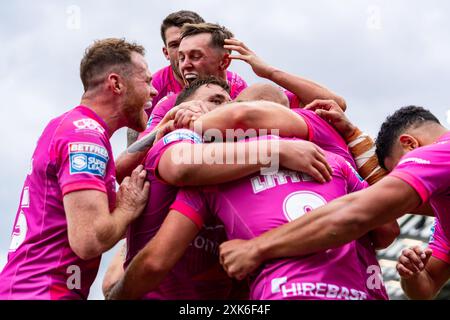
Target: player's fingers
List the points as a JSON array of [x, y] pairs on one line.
[[135, 173], [239, 57], [414, 258], [321, 157], [237, 49], [315, 174], [404, 272], [323, 170], [408, 264]]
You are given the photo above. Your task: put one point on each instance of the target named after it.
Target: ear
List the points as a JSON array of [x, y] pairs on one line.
[[225, 62], [115, 83], [408, 142], [166, 53]]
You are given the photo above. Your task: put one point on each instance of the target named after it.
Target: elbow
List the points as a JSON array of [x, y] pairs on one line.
[[243, 115], [341, 102], [86, 247], [86, 251]]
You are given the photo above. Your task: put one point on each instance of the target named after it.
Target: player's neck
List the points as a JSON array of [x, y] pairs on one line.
[[106, 108]]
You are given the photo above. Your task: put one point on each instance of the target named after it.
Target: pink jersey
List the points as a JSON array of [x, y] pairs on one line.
[[253, 205], [324, 135], [294, 102], [426, 170], [165, 82], [198, 275], [168, 88], [73, 153]]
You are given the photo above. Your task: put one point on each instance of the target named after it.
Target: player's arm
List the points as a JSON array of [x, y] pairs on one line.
[[115, 270], [92, 228], [254, 115], [136, 152], [156, 259], [422, 275], [306, 90], [235, 160], [128, 160], [341, 221]]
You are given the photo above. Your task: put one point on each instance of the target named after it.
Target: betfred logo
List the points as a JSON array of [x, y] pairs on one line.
[[88, 147], [89, 124], [88, 158]]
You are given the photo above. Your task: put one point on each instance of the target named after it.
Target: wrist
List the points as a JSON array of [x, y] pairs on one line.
[[269, 73], [350, 133]]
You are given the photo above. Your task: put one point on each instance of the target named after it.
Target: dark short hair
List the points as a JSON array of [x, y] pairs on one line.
[[218, 33], [104, 54], [197, 83], [178, 19], [396, 124]]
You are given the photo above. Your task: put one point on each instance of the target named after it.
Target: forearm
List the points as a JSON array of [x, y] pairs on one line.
[[419, 287], [305, 236], [133, 156], [251, 117], [306, 90], [340, 221], [110, 229], [138, 279], [215, 163], [115, 270]]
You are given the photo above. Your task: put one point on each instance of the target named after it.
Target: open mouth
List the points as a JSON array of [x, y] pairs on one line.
[[189, 77], [148, 105]]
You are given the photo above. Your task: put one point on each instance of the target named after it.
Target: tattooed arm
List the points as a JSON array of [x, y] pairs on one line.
[[133, 156]]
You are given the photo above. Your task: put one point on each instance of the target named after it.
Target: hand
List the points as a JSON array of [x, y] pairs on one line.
[[331, 112], [188, 112], [261, 68], [239, 258], [305, 156], [413, 261], [184, 114], [133, 193]]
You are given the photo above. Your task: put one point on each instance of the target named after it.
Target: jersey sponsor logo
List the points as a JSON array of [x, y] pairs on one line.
[[315, 289], [89, 124], [299, 203], [354, 171], [88, 158], [276, 284], [182, 135], [415, 160], [19, 233]]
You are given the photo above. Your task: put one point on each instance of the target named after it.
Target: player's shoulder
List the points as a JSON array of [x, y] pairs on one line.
[[235, 78], [162, 73], [81, 123], [438, 152]]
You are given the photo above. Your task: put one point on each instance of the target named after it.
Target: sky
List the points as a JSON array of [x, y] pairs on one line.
[[379, 55]]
